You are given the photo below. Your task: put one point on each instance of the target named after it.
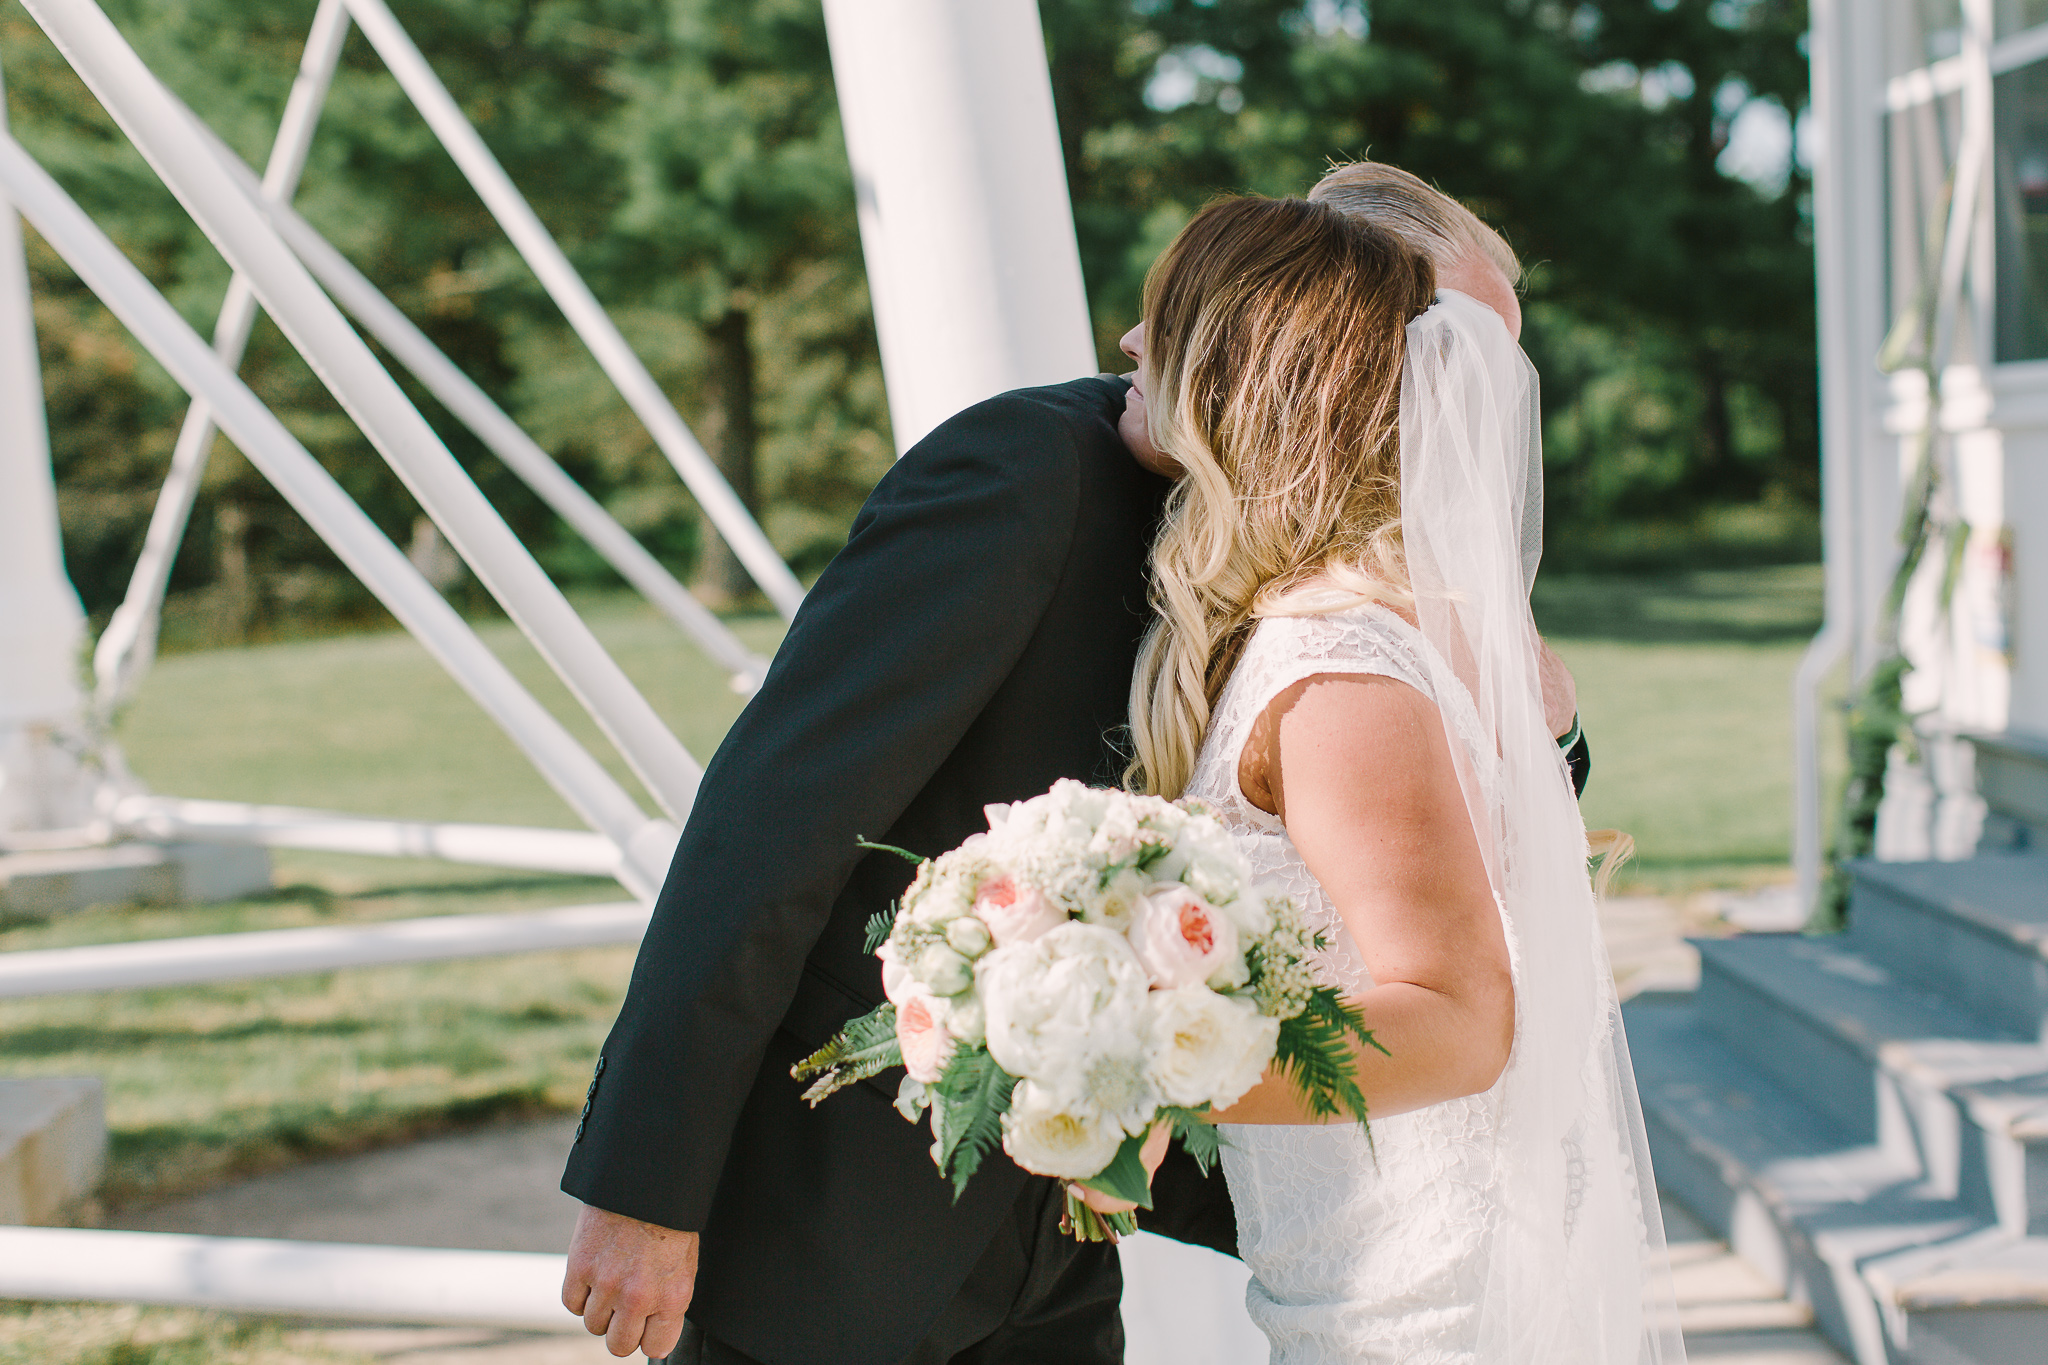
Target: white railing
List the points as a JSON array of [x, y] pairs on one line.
[[323, 948], [300, 1279], [177, 820]]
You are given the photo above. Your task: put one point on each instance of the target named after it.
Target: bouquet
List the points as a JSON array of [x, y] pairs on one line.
[[1094, 964]]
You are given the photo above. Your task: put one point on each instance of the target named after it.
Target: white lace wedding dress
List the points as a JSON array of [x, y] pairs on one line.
[[1359, 1254]]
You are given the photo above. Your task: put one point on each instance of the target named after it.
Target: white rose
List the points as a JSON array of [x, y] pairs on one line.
[[944, 899], [1047, 1139], [1182, 939], [1207, 1048], [1057, 1000], [942, 969], [1112, 905], [965, 1019]]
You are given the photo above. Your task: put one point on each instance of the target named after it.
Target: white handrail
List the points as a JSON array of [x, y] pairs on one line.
[[507, 440], [127, 646], [301, 1279], [578, 304], [170, 819], [168, 135], [590, 791], [202, 958]]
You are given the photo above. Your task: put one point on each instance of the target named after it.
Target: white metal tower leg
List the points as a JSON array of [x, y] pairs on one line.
[[645, 844], [170, 137], [127, 646], [573, 297], [962, 195], [42, 626], [506, 439]]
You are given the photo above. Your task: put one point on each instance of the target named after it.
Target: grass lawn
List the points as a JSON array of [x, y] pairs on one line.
[[1685, 690], [1683, 685]]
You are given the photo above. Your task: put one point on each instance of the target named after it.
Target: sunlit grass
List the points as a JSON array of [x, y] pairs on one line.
[[1684, 686]]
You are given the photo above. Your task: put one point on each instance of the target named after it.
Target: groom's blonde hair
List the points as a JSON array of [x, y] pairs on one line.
[[1419, 214], [1275, 332]]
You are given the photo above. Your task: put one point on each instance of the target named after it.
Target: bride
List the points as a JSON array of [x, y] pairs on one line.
[[1344, 666]]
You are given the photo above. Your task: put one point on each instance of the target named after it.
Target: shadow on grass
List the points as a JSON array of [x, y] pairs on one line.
[[1773, 605], [54, 1040], [166, 1160]]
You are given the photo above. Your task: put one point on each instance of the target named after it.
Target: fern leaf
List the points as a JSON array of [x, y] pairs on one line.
[[879, 925], [1196, 1134], [971, 1098], [865, 1047]]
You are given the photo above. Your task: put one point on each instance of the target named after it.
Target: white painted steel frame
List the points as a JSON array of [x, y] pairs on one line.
[[127, 646], [170, 819], [153, 963], [334, 516], [169, 137], [505, 438], [301, 1279], [578, 304]]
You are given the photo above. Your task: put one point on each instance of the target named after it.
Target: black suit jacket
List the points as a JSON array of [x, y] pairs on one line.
[[972, 643]]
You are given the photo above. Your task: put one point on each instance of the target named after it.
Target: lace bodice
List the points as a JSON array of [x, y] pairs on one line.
[[1281, 652], [1359, 1253]]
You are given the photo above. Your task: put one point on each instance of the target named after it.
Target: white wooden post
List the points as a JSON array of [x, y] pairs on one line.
[[962, 196], [42, 626]]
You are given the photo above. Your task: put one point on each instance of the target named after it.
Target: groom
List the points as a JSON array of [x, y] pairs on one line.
[[972, 643]]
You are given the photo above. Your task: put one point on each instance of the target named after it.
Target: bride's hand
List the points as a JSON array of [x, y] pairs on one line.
[[1152, 1153]]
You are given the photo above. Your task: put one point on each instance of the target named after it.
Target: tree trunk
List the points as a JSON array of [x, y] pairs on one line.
[[730, 438], [234, 587]]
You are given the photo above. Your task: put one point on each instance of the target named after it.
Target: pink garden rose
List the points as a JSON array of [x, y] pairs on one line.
[[927, 1047], [1015, 913], [1181, 938]]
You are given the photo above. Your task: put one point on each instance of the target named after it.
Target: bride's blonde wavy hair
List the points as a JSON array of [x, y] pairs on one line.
[[1274, 337]]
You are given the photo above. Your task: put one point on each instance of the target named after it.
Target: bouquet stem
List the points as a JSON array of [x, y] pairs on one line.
[[1084, 1224]]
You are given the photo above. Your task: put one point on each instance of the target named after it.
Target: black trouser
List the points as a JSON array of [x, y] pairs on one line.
[[1036, 1297]]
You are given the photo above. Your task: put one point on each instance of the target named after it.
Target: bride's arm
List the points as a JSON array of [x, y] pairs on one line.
[[1359, 768]]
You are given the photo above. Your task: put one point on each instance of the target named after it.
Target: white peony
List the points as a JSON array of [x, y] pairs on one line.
[[1207, 1048], [1046, 1138], [1068, 995]]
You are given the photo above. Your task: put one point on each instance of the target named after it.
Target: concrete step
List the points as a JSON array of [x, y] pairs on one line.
[[2012, 777], [1797, 1193], [1941, 1093], [1975, 931], [53, 1148], [1980, 1297]]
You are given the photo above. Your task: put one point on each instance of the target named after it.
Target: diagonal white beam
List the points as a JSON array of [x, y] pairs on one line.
[[169, 137], [127, 646], [506, 438], [578, 304], [369, 554]]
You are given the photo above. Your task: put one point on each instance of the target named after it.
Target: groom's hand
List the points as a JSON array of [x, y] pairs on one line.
[[630, 1281], [1560, 691]]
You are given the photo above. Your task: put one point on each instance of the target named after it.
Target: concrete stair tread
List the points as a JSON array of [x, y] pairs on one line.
[[1898, 1025], [1761, 1135], [2005, 895], [1987, 1268]]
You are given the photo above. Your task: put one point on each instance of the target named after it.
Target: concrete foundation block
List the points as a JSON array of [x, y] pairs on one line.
[[53, 1147], [38, 885]]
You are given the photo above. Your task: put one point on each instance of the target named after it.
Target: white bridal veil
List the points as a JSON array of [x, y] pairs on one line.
[[1577, 1273]]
